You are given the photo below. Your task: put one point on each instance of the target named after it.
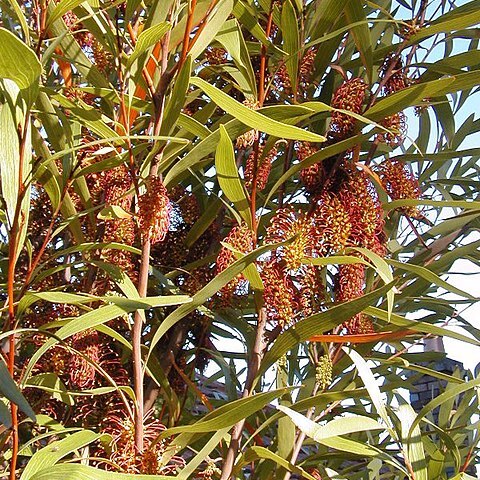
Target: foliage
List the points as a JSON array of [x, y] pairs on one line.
[[224, 194]]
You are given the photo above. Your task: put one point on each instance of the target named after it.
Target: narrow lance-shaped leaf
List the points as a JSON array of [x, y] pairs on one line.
[[215, 23], [147, 39], [51, 454], [61, 8], [9, 390], [412, 444], [255, 119], [291, 41], [382, 268], [229, 414], [334, 428], [228, 178], [371, 385], [73, 471]]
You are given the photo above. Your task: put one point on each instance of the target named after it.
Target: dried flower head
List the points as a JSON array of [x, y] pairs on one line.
[[306, 67], [313, 176], [82, 365], [400, 184], [154, 211]]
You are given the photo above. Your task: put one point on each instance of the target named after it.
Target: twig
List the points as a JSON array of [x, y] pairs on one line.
[[253, 368]]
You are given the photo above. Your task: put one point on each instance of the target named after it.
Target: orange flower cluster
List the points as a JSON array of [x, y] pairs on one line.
[[288, 224], [348, 96], [279, 294], [312, 177], [260, 169], [247, 140], [400, 184], [332, 224], [350, 284], [241, 239], [359, 198], [395, 80], [215, 55], [154, 211]]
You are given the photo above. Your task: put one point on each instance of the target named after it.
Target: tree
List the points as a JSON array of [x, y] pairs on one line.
[[175, 174]]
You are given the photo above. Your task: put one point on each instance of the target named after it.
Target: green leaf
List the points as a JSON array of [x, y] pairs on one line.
[[113, 212], [47, 457], [231, 37], [228, 177], [21, 18], [355, 13], [61, 8], [100, 316], [291, 42], [383, 270], [255, 453], [9, 390], [414, 445], [228, 414], [370, 384], [13, 118], [19, 63], [50, 382], [72, 471], [202, 455], [194, 158], [215, 22], [458, 18], [334, 428], [147, 39], [5, 415], [415, 94], [427, 274], [252, 118], [451, 392], [177, 98]]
